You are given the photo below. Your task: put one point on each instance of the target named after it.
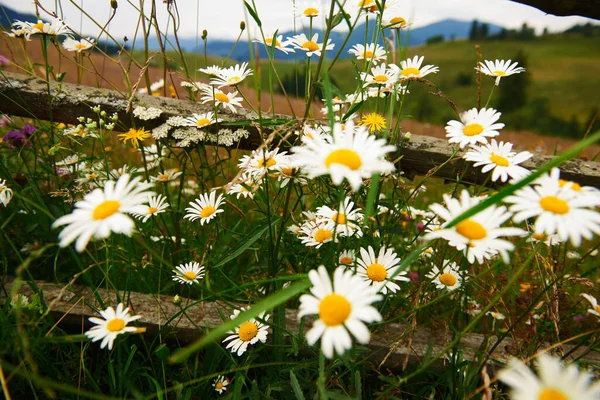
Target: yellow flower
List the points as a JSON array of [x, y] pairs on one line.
[[134, 135], [373, 121]]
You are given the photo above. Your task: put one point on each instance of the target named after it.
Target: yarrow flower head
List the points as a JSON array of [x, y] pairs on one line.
[[188, 273], [344, 306], [205, 208], [349, 153], [500, 159], [475, 126], [499, 69], [248, 333], [104, 211], [112, 324], [381, 270]]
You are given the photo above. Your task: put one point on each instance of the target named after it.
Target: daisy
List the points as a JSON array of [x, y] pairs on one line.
[[78, 45], [499, 69], [227, 101], [500, 159], [201, 120], [308, 9], [373, 121], [350, 153], [380, 271], [188, 273], [247, 333], [477, 236], [316, 233], [595, 307], [345, 220], [260, 161], [347, 258], [220, 384], [6, 193], [205, 208], [156, 205], [554, 381], [474, 127], [154, 88], [113, 324], [245, 188], [213, 70], [448, 278], [104, 211], [496, 315], [342, 307], [231, 76], [279, 43], [55, 28], [311, 46], [380, 75], [166, 176], [411, 68], [371, 52], [396, 22], [560, 210]]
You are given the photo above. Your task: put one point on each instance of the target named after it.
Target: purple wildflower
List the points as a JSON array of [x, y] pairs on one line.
[[16, 139], [4, 61], [28, 129]]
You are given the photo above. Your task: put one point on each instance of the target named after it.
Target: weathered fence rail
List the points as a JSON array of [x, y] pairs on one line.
[[28, 96], [390, 345]]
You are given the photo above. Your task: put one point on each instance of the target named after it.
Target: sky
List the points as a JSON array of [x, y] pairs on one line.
[[222, 18]]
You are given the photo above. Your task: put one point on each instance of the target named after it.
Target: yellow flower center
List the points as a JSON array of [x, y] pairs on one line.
[[190, 276], [115, 325], [80, 46], [376, 272], [152, 210], [499, 160], [222, 97], [105, 209], [365, 3], [39, 26], [269, 42], [334, 309], [203, 122], [498, 73], [398, 21], [381, 78], [574, 185], [368, 54], [472, 129], [539, 236], [597, 308], [323, 235], [552, 394], [346, 260], [234, 79], [310, 46], [554, 205], [207, 211], [287, 171], [219, 385], [410, 71], [270, 162], [346, 157], [248, 331], [339, 218], [163, 177], [470, 229], [448, 279], [311, 12]]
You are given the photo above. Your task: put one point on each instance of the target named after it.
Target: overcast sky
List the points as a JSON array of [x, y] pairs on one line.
[[221, 18]]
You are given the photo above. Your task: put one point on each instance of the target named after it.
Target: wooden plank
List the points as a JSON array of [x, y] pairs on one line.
[[390, 345], [27, 96]]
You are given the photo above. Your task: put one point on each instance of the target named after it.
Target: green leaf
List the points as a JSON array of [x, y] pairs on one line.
[[253, 14], [296, 386], [162, 352]]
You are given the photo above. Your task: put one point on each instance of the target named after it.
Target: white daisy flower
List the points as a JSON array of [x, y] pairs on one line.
[[104, 211], [113, 324], [347, 258], [411, 68], [156, 205], [477, 236], [220, 384], [201, 120], [499, 69], [316, 233], [350, 153], [372, 51], [166, 176], [6, 193], [232, 76], [78, 45], [342, 306], [474, 127], [245, 188], [309, 133], [250, 332], [380, 75], [308, 9], [345, 220], [555, 382], [558, 209], [395, 22], [205, 208], [500, 159], [154, 88], [378, 270], [55, 28], [261, 161], [311, 46], [227, 101], [188, 273], [448, 278], [213, 70], [280, 44], [496, 315], [595, 307]]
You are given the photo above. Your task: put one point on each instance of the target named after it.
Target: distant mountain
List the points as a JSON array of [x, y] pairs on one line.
[[448, 28], [8, 16]]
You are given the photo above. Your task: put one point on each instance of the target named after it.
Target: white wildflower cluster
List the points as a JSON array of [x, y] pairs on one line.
[[147, 114], [227, 137]]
